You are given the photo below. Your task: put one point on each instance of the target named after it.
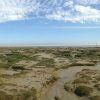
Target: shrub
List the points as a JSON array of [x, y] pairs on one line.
[[65, 54], [46, 62], [82, 91], [67, 87], [97, 86], [4, 65], [80, 80], [52, 80], [56, 98], [5, 96], [27, 94], [18, 68], [30, 94], [97, 78], [95, 98], [82, 64], [13, 57]]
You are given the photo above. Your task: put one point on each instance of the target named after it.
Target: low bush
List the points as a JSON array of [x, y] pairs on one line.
[[5, 96], [30, 95], [52, 80], [64, 54], [97, 86], [81, 80], [81, 64], [67, 87], [83, 91], [56, 98], [46, 62], [95, 98], [18, 68], [4, 65]]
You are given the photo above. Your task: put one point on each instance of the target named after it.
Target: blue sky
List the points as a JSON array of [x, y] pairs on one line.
[[49, 22]]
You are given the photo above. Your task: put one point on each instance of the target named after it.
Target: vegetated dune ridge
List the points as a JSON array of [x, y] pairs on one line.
[[57, 89]]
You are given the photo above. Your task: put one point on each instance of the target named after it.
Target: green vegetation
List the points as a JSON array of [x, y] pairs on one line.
[[82, 64], [97, 86], [47, 62], [67, 87], [86, 84], [10, 56], [64, 54], [83, 91], [57, 98], [5, 96], [52, 80], [20, 66], [80, 80], [14, 57], [97, 78], [95, 98], [30, 95], [4, 65], [25, 95], [16, 67]]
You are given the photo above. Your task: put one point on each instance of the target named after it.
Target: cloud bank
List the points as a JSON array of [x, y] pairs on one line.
[[61, 10]]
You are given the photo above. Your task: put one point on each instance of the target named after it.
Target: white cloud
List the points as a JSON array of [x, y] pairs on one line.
[[69, 10], [87, 13], [69, 4], [16, 9], [86, 10], [88, 2], [76, 13]]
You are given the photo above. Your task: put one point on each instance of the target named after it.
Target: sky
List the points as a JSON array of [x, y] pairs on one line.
[[49, 22]]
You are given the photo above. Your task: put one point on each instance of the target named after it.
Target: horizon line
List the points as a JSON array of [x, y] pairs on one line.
[[51, 45]]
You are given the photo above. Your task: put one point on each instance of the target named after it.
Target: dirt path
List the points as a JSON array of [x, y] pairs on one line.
[[57, 89]]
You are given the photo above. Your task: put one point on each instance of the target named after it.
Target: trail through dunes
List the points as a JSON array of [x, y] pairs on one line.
[[57, 92]]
